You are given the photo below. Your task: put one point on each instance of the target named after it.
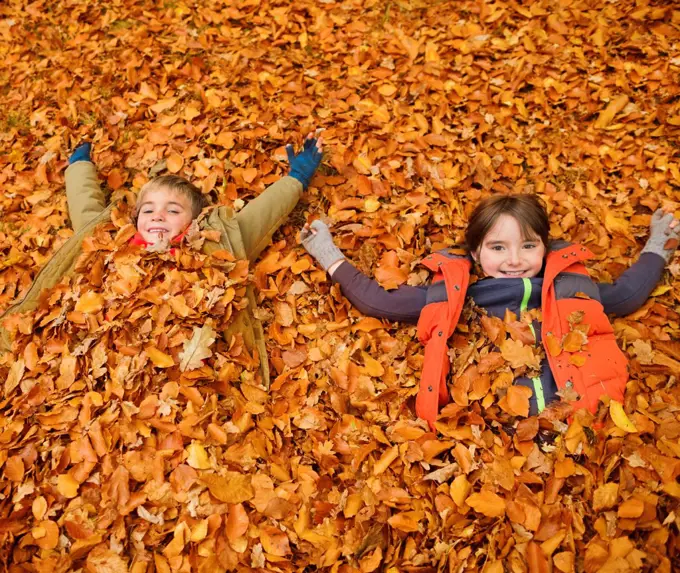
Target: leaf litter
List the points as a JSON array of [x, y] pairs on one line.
[[114, 458]]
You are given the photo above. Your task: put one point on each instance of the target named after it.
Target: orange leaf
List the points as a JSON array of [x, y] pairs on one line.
[[249, 174], [90, 302], [406, 521], [367, 325], [487, 503], [174, 162], [46, 534], [574, 341], [158, 358], [553, 345], [518, 354], [516, 401], [232, 487], [115, 179], [14, 469], [237, 522], [274, 541]]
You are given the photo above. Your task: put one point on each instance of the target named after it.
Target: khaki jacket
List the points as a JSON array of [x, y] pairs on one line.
[[245, 234]]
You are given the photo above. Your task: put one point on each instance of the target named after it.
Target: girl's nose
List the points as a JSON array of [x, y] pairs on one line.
[[513, 257]]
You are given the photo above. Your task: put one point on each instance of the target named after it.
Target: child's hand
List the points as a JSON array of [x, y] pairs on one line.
[[304, 164], [81, 153], [664, 235], [318, 241]]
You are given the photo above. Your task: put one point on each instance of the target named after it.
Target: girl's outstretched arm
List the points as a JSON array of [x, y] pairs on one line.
[[402, 304], [630, 291]]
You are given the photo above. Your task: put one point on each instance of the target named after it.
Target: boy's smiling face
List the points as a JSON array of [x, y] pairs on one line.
[[163, 214]]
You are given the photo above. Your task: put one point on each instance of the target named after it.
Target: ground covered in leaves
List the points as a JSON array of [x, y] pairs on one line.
[[169, 456]]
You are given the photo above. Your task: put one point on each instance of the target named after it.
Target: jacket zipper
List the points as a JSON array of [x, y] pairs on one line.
[[538, 385]]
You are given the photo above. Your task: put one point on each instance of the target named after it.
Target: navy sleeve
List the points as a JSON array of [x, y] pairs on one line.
[[400, 305], [630, 291]]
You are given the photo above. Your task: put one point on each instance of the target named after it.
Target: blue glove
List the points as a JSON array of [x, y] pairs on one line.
[[304, 164], [82, 153]]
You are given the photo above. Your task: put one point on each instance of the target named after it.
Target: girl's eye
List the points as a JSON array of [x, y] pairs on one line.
[[497, 248], [530, 246]]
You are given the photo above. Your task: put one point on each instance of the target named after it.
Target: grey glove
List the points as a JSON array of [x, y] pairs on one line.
[[318, 241], [662, 239]]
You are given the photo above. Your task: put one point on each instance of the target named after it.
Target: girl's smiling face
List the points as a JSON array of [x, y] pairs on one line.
[[506, 253]]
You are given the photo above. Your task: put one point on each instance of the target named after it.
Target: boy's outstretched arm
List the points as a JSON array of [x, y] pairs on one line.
[[632, 289], [260, 218], [83, 192]]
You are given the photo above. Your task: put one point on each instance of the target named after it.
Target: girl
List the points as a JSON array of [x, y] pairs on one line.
[[507, 237]]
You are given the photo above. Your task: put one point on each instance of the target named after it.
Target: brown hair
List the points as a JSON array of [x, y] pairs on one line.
[[528, 210], [175, 184]]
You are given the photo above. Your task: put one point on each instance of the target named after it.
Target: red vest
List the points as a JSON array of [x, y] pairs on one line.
[[565, 282]]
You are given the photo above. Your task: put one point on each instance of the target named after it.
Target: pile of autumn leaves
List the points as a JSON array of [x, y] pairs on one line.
[[139, 438], [120, 382]]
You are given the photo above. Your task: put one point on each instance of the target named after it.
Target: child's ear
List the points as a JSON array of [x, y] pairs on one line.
[[475, 255]]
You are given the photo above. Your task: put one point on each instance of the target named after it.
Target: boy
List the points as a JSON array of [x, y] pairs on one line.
[[165, 208]]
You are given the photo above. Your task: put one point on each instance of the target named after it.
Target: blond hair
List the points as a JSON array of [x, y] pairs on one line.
[[174, 184]]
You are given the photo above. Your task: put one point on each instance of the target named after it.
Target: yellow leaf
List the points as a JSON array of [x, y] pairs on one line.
[[387, 90], [197, 457], [90, 302], [620, 418], [598, 37], [459, 490], [232, 487], [371, 366], [661, 289], [158, 358], [431, 55], [67, 486], [371, 205], [39, 507], [605, 496], [615, 224], [381, 115], [163, 105], [385, 460], [353, 504], [199, 531], [614, 107], [300, 266]]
